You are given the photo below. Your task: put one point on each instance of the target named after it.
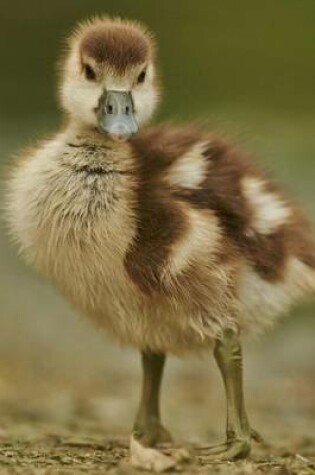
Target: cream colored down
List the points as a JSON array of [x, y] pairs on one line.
[[76, 228], [72, 227], [269, 210]]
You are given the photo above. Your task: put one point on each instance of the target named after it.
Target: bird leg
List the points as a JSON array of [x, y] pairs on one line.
[[148, 428], [228, 355]]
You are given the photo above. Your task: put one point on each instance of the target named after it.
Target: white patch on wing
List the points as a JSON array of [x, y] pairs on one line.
[[190, 169], [269, 210], [202, 238]]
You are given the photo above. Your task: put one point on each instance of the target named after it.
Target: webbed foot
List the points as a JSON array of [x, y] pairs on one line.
[[234, 449]]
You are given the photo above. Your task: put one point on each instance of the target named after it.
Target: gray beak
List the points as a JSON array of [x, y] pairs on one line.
[[116, 115]]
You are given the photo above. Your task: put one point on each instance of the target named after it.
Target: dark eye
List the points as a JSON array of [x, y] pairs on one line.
[[89, 72], [141, 77]]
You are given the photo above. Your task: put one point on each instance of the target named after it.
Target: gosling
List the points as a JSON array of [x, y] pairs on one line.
[[168, 238]]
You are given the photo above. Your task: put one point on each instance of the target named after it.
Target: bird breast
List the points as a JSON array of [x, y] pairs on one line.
[[70, 209]]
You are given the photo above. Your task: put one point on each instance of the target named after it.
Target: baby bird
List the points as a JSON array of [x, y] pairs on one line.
[[169, 238]]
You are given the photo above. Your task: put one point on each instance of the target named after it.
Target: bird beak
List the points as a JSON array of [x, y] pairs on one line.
[[116, 115]]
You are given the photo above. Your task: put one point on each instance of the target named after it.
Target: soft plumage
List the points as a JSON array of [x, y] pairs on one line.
[[165, 240], [170, 240]]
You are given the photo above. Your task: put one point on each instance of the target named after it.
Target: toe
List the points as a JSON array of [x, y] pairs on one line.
[[237, 450], [228, 451]]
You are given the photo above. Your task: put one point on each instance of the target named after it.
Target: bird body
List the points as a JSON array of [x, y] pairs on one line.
[[165, 240], [167, 237]]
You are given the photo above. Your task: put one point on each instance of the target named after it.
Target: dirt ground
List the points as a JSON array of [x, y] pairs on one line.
[[57, 423], [52, 455]]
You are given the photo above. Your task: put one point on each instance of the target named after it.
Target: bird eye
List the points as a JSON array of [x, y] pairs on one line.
[[141, 77], [89, 72]]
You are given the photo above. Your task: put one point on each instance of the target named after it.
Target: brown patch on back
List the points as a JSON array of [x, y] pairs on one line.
[[160, 146], [300, 238], [222, 192], [161, 220], [120, 44], [161, 223]]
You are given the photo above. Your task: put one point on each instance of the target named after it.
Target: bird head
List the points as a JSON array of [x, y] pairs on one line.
[[108, 78]]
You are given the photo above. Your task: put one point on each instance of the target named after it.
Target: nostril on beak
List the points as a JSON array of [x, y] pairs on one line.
[[109, 109], [115, 115]]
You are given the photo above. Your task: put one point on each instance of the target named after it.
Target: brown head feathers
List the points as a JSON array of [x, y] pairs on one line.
[[119, 43]]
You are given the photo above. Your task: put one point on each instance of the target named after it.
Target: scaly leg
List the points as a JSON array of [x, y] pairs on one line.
[[148, 428], [228, 355]]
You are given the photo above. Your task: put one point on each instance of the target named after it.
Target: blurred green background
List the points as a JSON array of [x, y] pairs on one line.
[[248, 67]]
